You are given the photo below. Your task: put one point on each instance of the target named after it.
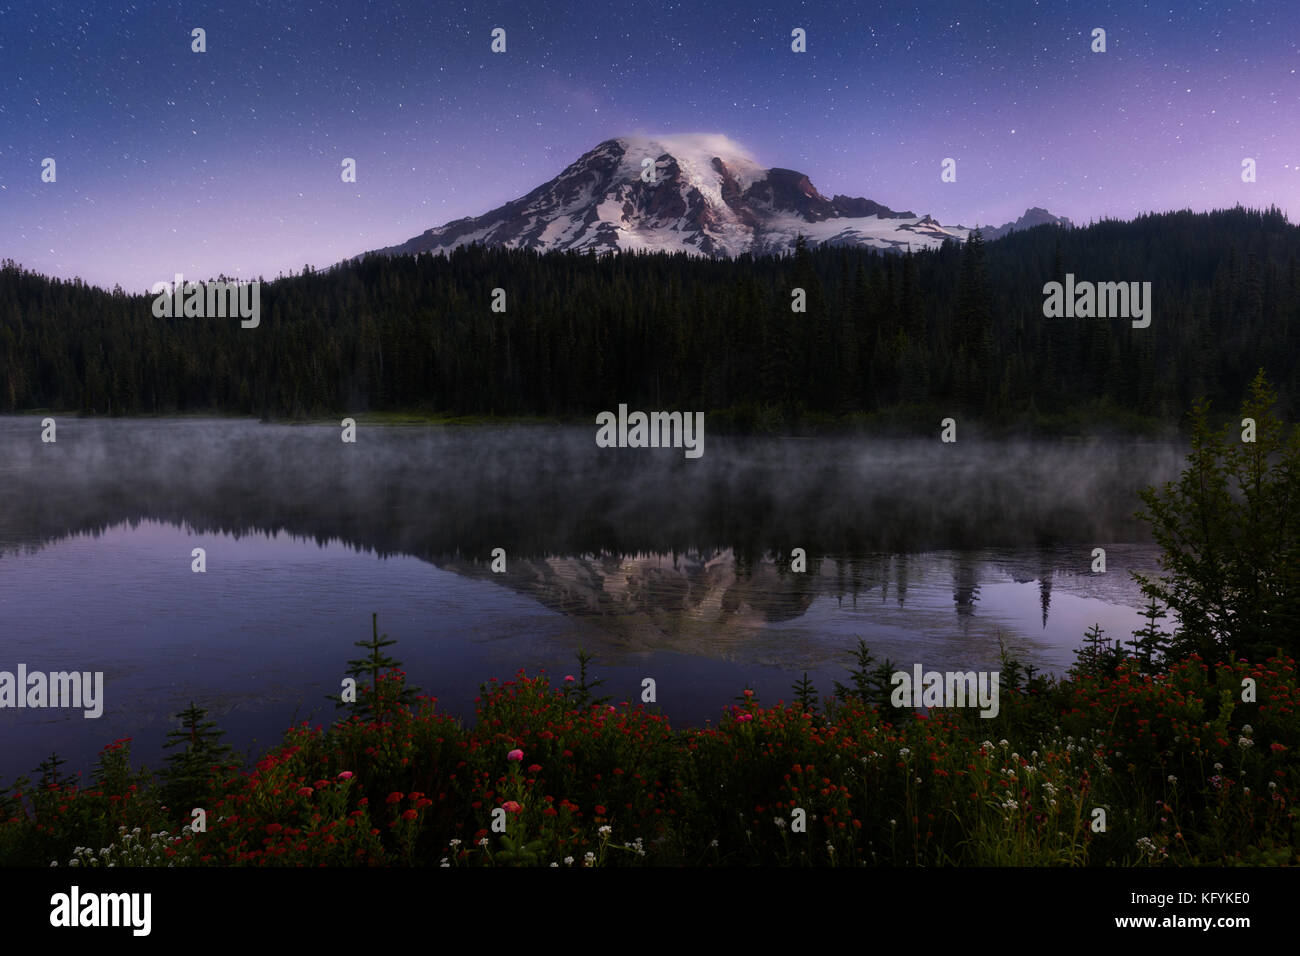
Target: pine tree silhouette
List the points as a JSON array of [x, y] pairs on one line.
[[805, 693], [188, 776], [374, 665]]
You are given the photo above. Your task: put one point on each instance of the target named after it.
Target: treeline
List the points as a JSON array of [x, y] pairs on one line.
[[960, 328]]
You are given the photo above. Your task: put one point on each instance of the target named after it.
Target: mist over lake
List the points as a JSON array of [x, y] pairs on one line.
[[660, 566]]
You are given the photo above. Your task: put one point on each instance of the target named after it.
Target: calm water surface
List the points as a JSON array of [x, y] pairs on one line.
[[660, 566]]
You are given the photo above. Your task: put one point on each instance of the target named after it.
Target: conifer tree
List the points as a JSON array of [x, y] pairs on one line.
[[188, 776], [372, 666]]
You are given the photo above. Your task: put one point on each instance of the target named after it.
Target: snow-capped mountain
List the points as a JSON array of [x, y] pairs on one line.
[[697, 193]]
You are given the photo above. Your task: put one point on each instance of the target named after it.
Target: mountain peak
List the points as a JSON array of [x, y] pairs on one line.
[[1034, 216], [700, 193]]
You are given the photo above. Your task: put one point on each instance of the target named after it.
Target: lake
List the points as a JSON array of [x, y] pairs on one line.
[[661, 566]]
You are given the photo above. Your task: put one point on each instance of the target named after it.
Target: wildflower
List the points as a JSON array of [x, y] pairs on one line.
[[1247, 730], [515, 755], [1244, 742], [713, 842], [1003, 743], [1172, 778], [600, 811], [903, 751], [535, 768], [410, 815], [510, 806], [779, 821], [605, 830], [1218, 766], [483, 842], [453, 842], [568, 860], [345, 775], [589, 858], [394, 797], [568, 678], [745, 717]]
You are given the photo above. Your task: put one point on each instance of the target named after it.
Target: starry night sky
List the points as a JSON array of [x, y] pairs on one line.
[[229, 161]]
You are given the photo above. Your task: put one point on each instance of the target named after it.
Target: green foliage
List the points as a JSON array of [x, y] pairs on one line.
[[190, 773], [11, 801], [1229, 531], [1151, 643], [805, 694], [51, 778], [1189, 774], [370, 701], [884, 334], [1099, 655], [869, 684], [581, 693]]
